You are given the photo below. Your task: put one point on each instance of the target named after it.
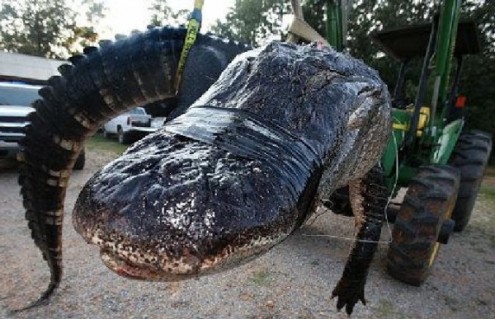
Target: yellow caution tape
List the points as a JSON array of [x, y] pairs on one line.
[[192, 32]]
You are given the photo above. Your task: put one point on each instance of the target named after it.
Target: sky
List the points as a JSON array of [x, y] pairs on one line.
[[123, 16]]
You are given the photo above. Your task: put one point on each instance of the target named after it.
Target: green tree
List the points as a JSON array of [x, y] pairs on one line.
[[478, 80], [85, 34], [162, 13], [253, 21], [46, 27], [95, 11]]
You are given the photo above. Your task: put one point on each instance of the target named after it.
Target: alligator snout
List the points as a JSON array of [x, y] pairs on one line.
[[197, 210], [143, 266]]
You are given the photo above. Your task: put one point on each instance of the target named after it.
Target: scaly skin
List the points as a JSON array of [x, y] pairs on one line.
[[241, 169]]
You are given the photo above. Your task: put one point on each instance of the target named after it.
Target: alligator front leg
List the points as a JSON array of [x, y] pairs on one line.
[[368, 197]]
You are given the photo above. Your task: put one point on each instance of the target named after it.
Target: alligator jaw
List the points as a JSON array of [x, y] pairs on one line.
[[125, 268], [186, 267], [131, 261]]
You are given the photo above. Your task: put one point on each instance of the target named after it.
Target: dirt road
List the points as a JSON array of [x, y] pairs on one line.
[[293, 280]]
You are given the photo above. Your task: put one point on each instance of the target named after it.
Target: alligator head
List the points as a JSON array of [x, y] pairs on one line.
[[241, 169]]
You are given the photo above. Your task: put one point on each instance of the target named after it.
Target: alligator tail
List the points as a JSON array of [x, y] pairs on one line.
[[98, 85]]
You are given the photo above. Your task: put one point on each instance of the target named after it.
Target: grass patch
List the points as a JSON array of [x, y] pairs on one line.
[[99, 143], [488, 191], [315, 262], [261, 277], [488, 185], [386, 309], [490, 171]]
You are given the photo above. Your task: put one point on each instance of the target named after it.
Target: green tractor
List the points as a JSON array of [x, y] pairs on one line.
[[441, 164]]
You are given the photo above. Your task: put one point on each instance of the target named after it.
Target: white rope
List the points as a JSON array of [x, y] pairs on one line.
[[350, 239]]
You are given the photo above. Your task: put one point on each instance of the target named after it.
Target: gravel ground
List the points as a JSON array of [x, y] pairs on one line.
[[293, 280]]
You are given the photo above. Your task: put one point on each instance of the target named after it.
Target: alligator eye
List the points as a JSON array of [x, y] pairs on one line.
[[360, 116], [367, 102]]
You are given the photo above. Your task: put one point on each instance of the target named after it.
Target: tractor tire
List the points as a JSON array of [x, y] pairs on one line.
[[422, 223], [81, 160], [470, 156]]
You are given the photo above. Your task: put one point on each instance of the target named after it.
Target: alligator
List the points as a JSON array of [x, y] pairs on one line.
[[227, 178]]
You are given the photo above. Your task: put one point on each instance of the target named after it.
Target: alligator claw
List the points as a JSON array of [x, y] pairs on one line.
[[348, 293]]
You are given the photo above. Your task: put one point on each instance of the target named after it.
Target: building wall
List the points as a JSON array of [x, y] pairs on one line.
[[26, 68]]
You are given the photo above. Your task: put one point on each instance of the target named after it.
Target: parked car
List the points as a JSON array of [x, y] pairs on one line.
[[15, 105], [132, 125]]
